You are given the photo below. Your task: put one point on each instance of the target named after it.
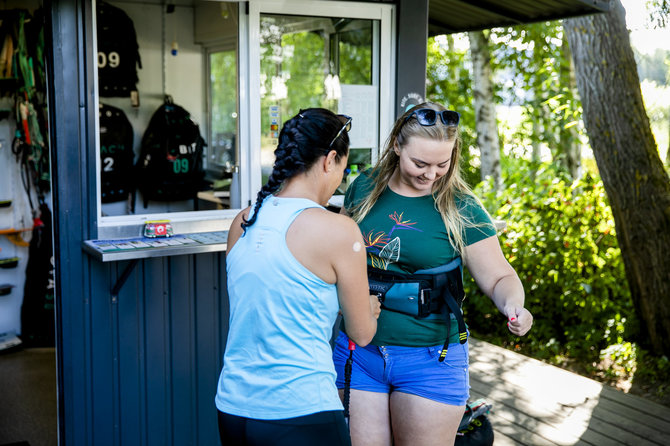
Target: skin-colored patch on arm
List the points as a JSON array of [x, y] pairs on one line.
[[357, 246]]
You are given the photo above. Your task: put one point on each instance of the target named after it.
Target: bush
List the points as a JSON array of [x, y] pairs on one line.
[[560, 238]]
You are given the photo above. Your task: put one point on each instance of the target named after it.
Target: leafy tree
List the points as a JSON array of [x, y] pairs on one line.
[[448, 82], [637, 185], [538, 75], [659, 11], [561, 240], [485, 107]]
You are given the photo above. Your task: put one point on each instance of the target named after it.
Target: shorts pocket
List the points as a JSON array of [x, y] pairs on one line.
[[457, 355]]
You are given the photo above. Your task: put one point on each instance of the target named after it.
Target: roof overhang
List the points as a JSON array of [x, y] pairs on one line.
[[453, 16]]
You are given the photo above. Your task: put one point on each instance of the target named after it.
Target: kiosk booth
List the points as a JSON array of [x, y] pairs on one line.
[[141, 321]]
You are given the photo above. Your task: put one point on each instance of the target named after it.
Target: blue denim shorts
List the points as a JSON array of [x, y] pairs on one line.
[[413, 370]]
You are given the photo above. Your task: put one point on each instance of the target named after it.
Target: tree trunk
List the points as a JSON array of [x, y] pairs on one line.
[[536, 154], [568, 136], [627, 156], [485, 113], [453, 68]]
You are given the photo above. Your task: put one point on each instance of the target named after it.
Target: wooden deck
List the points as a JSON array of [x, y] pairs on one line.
[[538, 404]]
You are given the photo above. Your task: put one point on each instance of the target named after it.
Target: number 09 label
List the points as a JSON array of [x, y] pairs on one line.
[[111, 60]]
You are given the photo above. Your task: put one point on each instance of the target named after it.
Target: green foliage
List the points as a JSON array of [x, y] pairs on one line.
[[619, 360], [533, 62], [356, 56], [560, 239], [223, 67], [659, 11], [531, 65], [301, 55], [655, 370], [560, 235], [299, 61], [448, 82]]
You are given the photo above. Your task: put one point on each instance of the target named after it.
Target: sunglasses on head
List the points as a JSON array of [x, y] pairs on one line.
[[428, 116], [346, 125]]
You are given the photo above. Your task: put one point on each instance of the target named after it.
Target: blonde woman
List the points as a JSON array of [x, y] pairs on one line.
[[420, 223]]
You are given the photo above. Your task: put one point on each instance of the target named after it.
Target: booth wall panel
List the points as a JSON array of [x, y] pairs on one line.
[[130, 353], [211, 313], [182, 349], [411, 53], [68, 136], [155, 352], [104, 384], [155, 295]]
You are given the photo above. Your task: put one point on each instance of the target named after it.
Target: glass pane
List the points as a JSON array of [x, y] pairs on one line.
[[317, 62], [222, 152], [186, 56]]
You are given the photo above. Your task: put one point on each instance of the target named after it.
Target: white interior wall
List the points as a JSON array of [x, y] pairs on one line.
[[181, 76]]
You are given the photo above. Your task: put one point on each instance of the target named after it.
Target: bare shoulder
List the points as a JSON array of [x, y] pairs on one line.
[[244, 213], [333, 229], [235, 231]]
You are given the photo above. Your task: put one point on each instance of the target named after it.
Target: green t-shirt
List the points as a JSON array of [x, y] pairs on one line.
[[407, 234]]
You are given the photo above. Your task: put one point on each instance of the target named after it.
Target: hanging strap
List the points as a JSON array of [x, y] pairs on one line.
[[347, 379]]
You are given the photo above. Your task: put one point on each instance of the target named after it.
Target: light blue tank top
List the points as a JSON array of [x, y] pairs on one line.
[[278, 360]]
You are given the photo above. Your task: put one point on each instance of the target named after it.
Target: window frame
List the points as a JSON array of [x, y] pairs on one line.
[[249, 118]]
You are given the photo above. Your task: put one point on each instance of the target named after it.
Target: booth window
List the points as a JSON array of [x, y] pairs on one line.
[[318, 62], [202, 60], [177, 63]]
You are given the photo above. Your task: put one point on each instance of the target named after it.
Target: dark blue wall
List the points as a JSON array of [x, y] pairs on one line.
[[411, 52], [140, 368]]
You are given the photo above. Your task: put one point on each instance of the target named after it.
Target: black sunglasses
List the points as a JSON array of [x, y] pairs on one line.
[[428, 116], [346, 121]]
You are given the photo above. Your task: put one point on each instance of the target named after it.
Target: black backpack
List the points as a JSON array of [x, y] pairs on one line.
[[170, 167], [118, 52], [116, 155]]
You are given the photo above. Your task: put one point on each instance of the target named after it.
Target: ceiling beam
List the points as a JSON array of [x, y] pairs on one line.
[[508, 15]]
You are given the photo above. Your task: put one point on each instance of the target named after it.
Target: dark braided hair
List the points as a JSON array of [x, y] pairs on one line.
[[302, 141]]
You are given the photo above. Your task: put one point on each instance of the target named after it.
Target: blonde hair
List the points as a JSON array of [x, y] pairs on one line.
[[444, 190]]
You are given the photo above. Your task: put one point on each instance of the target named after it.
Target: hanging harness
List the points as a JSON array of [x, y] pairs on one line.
[[425, 294]]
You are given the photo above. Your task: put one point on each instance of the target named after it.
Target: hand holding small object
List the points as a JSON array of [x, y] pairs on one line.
[[519, 319]]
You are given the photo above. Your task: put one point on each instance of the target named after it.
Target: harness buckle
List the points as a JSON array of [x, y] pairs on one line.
[[425, 302]]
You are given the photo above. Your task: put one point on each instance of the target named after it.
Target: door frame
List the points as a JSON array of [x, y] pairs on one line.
[[250, 69]]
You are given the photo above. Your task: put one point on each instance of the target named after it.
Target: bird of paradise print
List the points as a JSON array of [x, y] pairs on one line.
[[381, 248], [400, 223]]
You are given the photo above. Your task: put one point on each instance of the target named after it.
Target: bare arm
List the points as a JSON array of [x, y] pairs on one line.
[[359, 309], [498, 280]]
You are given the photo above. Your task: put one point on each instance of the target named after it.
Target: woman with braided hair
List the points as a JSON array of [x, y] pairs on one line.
[[291, 267]]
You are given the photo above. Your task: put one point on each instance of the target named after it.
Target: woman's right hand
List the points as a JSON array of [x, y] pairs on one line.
[[375, 305]]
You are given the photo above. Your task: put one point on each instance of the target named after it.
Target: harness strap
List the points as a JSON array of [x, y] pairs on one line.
[[452, 307], [451, 284], [435, 290]]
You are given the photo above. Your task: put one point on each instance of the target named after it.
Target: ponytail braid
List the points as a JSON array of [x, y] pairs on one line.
[[302, 140]]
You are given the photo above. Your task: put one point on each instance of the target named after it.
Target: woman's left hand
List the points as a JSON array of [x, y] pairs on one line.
[[519, 320]]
